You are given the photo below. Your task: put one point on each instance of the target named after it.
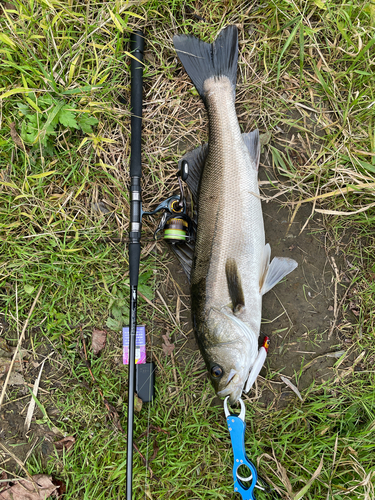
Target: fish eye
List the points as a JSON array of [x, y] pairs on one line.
[[217, 371]]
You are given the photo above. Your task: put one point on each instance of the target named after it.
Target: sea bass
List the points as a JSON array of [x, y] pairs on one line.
[[230, 269]]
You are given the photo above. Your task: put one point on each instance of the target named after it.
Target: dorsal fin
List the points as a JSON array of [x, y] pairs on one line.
[[196, 160], [251, 139], [234, 285]]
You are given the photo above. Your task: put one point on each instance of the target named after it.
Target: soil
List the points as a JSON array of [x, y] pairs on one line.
[[40, 436]]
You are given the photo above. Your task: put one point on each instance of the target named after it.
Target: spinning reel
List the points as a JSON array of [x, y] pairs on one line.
[[175, 225]]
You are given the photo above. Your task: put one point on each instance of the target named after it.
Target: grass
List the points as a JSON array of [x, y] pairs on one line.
[[64, 205]]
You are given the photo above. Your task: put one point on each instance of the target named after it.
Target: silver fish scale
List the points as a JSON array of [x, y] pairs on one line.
[[230, 223]]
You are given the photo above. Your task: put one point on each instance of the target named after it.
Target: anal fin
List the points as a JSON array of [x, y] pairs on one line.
[[234, 285]]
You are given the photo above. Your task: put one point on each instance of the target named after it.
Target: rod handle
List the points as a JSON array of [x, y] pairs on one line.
[[136, 47]]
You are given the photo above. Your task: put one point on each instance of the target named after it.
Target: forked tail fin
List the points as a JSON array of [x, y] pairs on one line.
[[204, 60]]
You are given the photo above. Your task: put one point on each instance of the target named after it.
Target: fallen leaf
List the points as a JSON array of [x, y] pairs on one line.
[[40, 489], [8, 6], [320, 4], [31, 408], [305, 489], [56, 431], [29, 289], [265, 138], [65, 443], [148, 492], [100, 207], [354, 308], [155, 450], [285, 479], [4, 365], [168, 348], [61, 487], [336, 354], [137, 403], [98, 340], [16, 138], [16, 378], [4, 347]]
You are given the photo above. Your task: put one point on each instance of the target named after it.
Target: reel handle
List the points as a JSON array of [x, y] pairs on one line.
[[184, 170]]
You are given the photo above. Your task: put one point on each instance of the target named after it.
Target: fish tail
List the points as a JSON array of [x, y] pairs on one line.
[[204, 60]]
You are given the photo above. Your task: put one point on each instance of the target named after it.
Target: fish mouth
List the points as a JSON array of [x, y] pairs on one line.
[[235, 395], [233, 388]]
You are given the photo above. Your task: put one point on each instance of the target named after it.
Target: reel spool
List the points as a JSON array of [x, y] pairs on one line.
[[175, 225]]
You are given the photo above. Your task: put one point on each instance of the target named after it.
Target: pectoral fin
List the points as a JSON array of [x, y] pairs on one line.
[[265, 264], [274, 272], [234, 285]]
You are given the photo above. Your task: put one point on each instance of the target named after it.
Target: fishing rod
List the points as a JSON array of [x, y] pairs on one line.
[[175, 225], [137, 45]]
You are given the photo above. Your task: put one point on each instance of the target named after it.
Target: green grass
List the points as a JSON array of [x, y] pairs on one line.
[[64, 83]]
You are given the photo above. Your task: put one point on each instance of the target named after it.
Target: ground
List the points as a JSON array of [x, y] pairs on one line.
[[305, 80]]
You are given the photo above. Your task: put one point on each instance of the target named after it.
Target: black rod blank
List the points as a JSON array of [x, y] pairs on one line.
[[137, 44]]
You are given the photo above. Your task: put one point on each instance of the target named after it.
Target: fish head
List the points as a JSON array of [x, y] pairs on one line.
[[230, 349]]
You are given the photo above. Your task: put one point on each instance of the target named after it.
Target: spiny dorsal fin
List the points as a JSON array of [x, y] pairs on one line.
[[197, 158], [234, 285]]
